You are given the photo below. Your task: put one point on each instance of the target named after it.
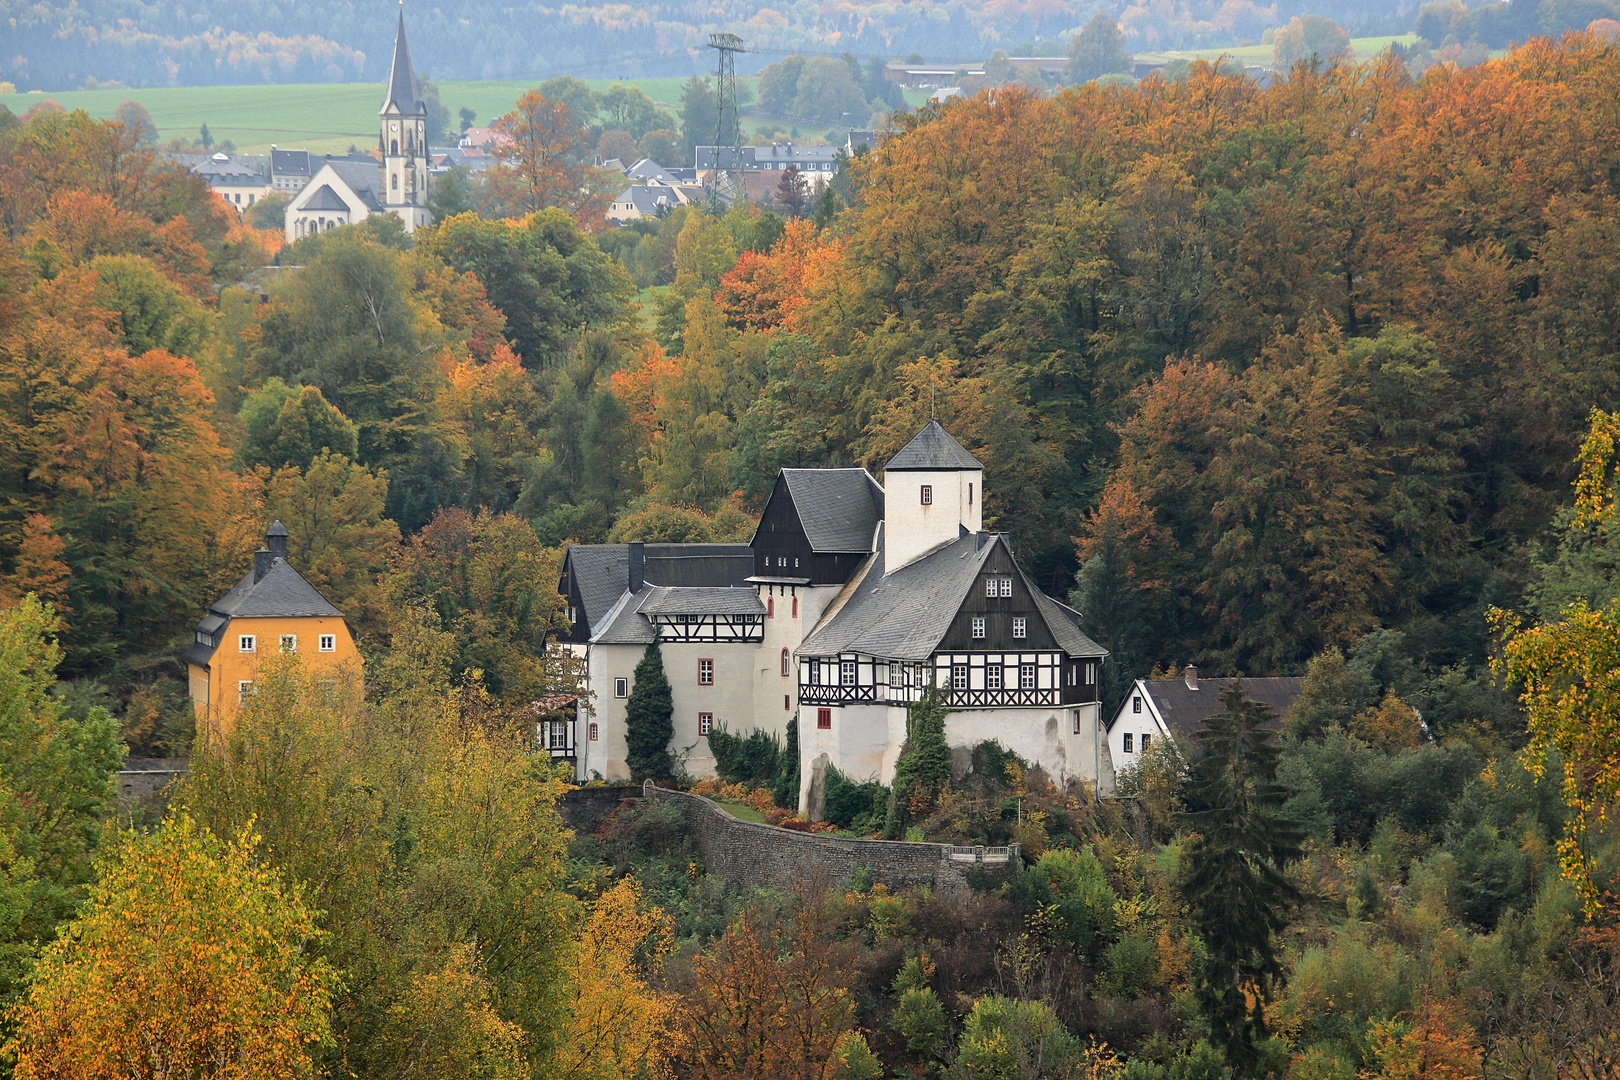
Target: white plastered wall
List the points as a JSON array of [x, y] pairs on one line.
[[912, 529], [1136, 724]]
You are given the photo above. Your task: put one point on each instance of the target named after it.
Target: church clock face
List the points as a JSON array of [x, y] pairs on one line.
[[394, 127]]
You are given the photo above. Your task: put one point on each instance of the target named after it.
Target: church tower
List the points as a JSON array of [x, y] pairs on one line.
[[404, 140]]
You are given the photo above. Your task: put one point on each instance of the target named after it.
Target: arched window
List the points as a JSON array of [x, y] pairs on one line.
[[393, 147], [795, 607], [770, 607], [395, 183], [785, 662]]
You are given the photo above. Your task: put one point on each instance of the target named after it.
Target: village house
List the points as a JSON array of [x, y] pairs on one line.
[[271, 611], [1159, 709], [348, 192], [852, 599]]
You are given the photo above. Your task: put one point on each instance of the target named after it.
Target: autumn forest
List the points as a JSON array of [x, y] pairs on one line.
[[1319, 379]]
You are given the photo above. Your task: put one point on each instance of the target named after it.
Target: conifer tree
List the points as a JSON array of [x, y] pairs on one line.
[[648, 719], [924, 768], [1237, 897]]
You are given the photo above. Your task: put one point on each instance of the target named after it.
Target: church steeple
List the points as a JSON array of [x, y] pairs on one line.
[[402, 99], [403, 128]]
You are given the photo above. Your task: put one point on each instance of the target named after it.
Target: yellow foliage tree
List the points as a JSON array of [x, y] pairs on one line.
[[1570, 672], [190, 959], [618, 1026], [1391, 723]]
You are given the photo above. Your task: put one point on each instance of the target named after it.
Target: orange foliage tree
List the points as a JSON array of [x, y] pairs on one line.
[[537, 150]]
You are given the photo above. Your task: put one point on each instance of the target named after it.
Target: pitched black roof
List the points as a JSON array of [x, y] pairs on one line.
[[932, 450], [281, 593], [905, 615], [839, 509], [602, 571], [1183, 709], [402, 97]]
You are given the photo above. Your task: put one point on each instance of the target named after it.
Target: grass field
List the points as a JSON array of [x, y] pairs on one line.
[[324, 117], [1260, 55], [328, 117]]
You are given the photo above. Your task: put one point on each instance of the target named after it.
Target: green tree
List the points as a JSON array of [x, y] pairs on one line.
[[1237, 895], [133, 115], [628, 108], [923, 771], [270, 211], [581, 100], [648, 724], [826, 91], [305, 426], [1308, 37], [1097, 50], [700, 116], [189, 952], [153, 312], [1004, 1039], [779, 85], [438, 113], [55, 788], [452, 193]]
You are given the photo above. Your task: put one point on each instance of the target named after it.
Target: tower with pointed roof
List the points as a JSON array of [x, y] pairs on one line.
[[403, 126], [933, 493]]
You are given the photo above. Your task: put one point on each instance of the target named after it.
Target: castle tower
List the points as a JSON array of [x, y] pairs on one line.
[[404, 140], [933, 491]]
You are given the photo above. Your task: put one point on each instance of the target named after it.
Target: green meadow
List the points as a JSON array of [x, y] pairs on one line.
[[1260, 55], [324, 117]]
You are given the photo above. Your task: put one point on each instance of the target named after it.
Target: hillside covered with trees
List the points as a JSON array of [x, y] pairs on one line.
[[1316, 379]]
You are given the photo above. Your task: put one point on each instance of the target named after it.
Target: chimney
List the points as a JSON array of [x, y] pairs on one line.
[[638, 565], [1191, 675], [261, 563]]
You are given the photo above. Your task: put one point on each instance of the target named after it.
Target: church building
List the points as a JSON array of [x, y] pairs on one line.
[[852, 599], [349, 191]]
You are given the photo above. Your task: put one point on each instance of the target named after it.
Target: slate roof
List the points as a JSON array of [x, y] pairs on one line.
[[838, 508], [402, 97], [289, 162], [1184, 709], [602, 571], [623, 624], [281, 593], [647, 198], [648, 169], [363, 177], [687, 601], [932, 450], [326, 199], [904, 615]]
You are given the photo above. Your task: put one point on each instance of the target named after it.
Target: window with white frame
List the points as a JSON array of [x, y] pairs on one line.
[[978, 626], [1091, 671], [1020, 627], [247, 643], [959, 676], [327, 643], [705, 672], [244, 689], [621, 687], [593, 732], [992, 587], [928, 494], [992, 677], [1077, 721], [846, 673], [289, 642], [1006, 586], [787, 668], [1026, 676], [1147, 740], [705, 722], [897, 675]]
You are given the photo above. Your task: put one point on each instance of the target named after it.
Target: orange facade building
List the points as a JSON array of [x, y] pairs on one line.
[[271, 611]]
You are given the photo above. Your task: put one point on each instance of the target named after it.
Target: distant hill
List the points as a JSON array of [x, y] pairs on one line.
[[58, 44]]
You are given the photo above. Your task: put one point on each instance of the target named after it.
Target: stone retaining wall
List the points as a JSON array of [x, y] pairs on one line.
[[748, 853], [584, 809]]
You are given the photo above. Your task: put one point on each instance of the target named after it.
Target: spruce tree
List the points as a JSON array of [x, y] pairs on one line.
[[1236, 894], [649, 723], [924, 769]]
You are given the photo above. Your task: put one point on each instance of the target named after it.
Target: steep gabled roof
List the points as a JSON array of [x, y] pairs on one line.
[[838, 508], [281, 593], [730, 600], [364, 178], [905, 615], [932, 450], [402, 98], [602, 571], [1183, 709], [325, 199]]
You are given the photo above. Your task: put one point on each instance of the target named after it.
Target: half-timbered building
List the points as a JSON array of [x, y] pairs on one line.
[[851, 600]]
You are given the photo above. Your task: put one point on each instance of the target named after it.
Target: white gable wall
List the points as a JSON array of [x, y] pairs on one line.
[[912, 528], [1129, 721]]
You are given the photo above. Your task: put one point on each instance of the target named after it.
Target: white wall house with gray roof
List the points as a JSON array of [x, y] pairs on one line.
[[852, 599]]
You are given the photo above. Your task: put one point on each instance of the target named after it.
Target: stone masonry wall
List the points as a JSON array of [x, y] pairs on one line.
[[748, 853], [584, 809]]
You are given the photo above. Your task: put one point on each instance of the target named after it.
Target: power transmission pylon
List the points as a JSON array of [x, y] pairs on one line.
[[725, 100]]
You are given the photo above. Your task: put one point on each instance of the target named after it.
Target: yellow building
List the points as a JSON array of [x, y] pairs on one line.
[[272, 610]]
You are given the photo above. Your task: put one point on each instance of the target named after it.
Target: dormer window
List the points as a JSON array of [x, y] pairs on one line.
[[928, 495]]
